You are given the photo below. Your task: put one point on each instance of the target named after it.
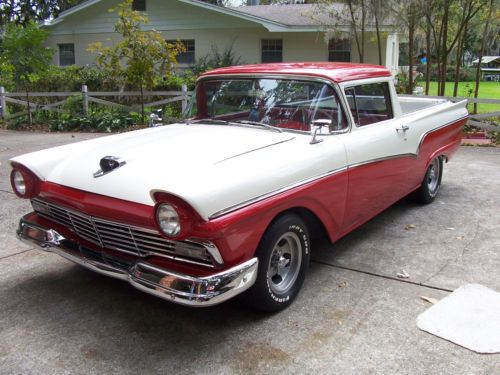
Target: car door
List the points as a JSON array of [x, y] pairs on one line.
[[380, 153]]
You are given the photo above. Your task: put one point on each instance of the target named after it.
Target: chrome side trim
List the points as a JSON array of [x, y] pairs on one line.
[[397, 156], [160, 282], [273, 193]]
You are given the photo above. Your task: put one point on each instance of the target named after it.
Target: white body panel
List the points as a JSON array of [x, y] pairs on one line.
[[209, 166]]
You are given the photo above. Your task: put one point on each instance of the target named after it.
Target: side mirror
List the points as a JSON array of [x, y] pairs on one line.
[[316, 127]]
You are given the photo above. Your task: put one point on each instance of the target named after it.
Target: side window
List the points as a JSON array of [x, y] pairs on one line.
[[369, 103], [328, 110]]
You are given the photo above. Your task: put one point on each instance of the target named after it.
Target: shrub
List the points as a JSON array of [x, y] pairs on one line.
[[216, 59]]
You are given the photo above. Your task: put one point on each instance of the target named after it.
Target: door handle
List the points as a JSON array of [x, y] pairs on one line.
[[403, 128]]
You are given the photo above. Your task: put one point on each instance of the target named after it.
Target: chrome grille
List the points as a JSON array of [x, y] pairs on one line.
[[117, 236]]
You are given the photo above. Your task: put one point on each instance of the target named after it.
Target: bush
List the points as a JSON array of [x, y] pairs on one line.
[[464, 75], [96, 121], [216, 59]]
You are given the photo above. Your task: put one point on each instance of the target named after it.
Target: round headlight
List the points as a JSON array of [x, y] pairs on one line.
[[168, 220], [18, 183]]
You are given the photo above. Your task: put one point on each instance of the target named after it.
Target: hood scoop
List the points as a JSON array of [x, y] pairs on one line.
[[109, 164]]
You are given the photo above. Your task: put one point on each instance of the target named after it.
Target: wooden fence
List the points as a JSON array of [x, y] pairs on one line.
[[88, 97], [171, 97]]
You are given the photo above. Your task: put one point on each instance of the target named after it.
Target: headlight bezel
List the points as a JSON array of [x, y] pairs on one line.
[[173, 218], [31, 182], [188, 217]]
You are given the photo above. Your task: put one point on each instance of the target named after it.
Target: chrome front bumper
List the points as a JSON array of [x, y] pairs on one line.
[[163, 283]]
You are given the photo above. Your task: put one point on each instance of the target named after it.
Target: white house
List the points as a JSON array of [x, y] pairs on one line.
[[262, 33]]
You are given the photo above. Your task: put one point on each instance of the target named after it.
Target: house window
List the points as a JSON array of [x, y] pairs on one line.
[[66, 54], [369, 103], [339, 50], [139, 5], [186, 57], [272, 50]]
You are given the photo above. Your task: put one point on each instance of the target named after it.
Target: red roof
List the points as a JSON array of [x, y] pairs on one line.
[[334, 71]]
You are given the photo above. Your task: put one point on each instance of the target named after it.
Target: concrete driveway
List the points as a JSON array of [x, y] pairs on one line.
[[353, 316]]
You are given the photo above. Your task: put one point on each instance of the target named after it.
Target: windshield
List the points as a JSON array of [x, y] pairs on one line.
[[282, 103]]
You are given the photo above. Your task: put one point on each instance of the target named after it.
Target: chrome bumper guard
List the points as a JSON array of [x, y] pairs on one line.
[[163, 283]]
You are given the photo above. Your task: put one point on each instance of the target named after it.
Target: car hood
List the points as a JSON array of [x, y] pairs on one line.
[[212, 167]]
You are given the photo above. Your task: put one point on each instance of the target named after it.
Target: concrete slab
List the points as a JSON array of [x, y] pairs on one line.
[[11, 209], [58, 318]]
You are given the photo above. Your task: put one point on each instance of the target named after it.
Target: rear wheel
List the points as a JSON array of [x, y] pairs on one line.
[[284, 254], [429, 188]]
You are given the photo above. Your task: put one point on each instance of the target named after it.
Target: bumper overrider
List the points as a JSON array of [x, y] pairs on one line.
[[163, 283]]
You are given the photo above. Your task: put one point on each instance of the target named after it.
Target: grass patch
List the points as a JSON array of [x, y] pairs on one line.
[[488, 90]]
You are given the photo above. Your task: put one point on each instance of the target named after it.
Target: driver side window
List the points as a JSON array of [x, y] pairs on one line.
[[328, 111]]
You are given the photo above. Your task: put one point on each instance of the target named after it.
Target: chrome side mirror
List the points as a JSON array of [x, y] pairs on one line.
[[316, 127]]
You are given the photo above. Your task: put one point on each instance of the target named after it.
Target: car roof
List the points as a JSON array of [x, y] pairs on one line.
[[334, 71]]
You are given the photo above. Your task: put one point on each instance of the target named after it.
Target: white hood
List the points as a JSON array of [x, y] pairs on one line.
[[212, 167]]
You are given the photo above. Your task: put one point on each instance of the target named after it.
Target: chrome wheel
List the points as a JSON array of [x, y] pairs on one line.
[[284, 263], [433, 177]]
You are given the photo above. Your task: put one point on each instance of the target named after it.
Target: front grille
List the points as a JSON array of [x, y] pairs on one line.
[[117, 236]]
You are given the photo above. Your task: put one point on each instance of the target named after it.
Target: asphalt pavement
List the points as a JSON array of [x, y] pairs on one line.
[[353, 315]]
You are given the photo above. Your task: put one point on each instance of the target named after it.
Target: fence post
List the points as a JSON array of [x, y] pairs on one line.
[[184, 98], [85, 99], [3, 102]]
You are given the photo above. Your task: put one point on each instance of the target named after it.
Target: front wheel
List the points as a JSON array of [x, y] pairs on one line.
[[284, 254], [429, 188]]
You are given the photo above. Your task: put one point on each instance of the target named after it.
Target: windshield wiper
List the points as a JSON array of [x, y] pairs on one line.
[[256, 123], [213, 121], [208, 121]]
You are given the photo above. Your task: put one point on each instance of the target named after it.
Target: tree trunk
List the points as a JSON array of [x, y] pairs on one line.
[[379, 42], [428, 56], [458, 62], [444, 50], [411, 35], [363, 17], [481, 52]]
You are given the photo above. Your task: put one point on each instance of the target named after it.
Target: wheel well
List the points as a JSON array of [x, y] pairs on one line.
[[314, 224]]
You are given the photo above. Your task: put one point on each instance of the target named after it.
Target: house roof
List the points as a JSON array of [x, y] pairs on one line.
[[275, 18], [487, 59], [336, 72]]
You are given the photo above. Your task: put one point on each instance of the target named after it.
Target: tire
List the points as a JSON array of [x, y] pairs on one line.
[[429, 189], [284, 255]]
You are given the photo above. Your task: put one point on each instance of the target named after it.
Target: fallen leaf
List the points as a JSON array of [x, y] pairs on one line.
[[429, 299], [460, 238], [342, 284], [409, 226], [403, 274]]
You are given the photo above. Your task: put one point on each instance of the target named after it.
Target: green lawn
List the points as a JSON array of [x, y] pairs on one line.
[[489, 90]]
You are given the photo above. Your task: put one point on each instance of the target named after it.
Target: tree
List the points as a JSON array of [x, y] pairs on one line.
[[336, 16], [484, 42], [141, 55], [23, 51], [24, 11]]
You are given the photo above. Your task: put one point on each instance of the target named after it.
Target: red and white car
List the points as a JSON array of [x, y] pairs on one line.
[[227, 201]]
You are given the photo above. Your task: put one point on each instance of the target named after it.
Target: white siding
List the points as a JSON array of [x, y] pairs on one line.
[[182, 21]]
